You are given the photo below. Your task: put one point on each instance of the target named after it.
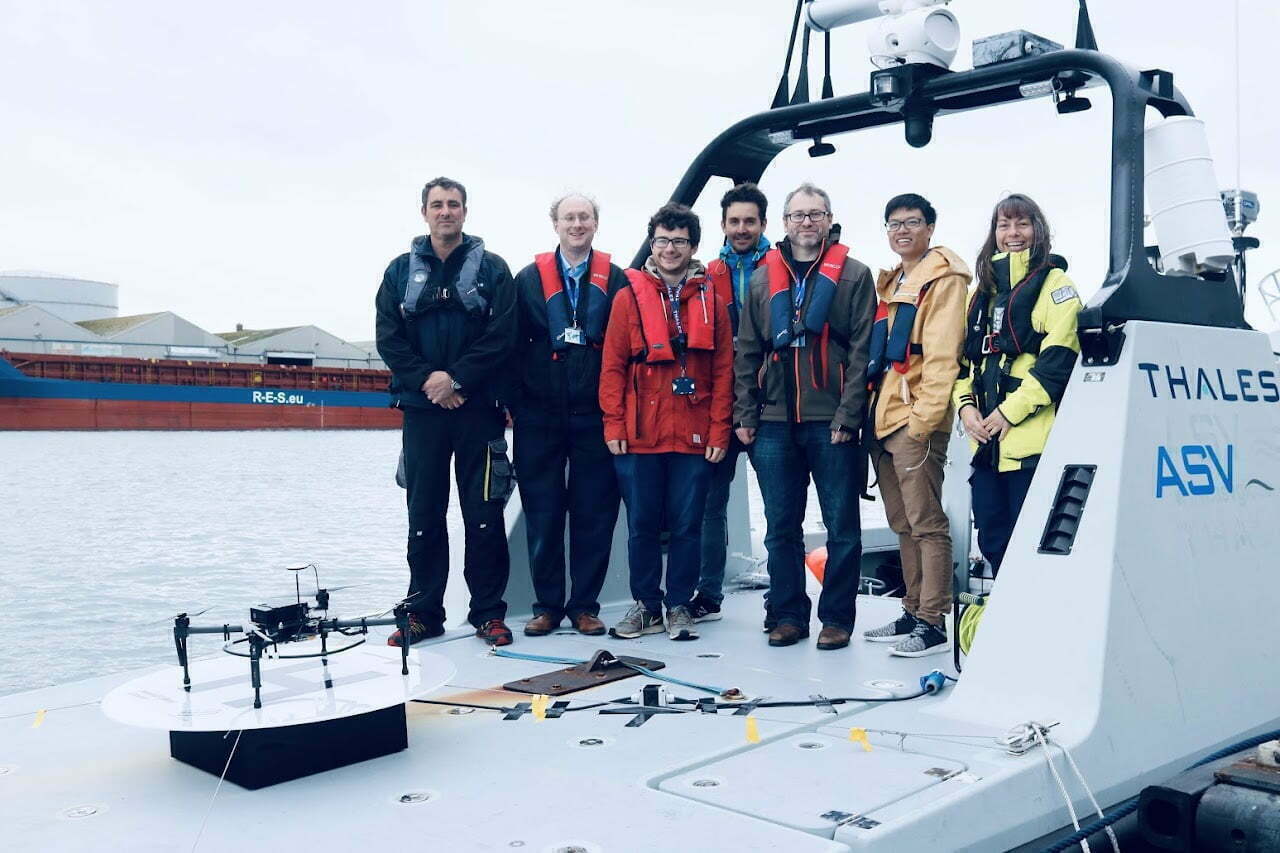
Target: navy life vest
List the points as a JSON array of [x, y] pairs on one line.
[[784, 324], [592, 307]]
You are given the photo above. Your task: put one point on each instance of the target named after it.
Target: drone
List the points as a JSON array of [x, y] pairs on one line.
[[273, 629]]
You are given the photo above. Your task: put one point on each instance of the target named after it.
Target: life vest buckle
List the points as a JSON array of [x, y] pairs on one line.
[[989, 346]]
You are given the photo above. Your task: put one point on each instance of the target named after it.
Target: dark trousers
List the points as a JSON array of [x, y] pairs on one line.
[[658, 488], [430, 439], [715, 526], [997, 502], [544, 446], [785, 455]]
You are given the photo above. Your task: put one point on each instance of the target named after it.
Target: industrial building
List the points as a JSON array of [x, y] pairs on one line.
[[72, 299], [59, 315]]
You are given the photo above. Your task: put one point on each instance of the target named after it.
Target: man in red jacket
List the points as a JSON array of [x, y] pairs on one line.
[[666, 391]]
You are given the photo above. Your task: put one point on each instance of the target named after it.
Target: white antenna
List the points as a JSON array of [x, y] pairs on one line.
[[1269, 289]]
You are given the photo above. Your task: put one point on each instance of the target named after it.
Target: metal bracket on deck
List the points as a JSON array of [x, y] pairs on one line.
[[603, 668]]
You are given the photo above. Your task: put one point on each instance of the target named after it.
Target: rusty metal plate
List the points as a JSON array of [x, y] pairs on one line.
[[603, 668]]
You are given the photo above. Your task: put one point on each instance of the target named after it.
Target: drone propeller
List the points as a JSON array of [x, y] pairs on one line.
[[379, 614], [169, 619], [280, 600]]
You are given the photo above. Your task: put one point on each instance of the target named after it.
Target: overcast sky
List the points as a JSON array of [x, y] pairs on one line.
[[261, 163]]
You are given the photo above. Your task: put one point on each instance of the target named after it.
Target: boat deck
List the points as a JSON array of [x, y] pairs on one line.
[[786, 780]]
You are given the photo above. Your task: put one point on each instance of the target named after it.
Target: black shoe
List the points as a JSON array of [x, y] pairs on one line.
[[703, 609], [417, 632]]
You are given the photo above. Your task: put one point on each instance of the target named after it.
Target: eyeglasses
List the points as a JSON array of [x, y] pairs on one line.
[[584, 218], [898, 224], [664, 242], [799, 216]]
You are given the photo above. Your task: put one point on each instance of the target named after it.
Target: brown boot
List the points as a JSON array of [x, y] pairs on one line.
[[832, 637], [589, 624], [540, 625], [787, 634]]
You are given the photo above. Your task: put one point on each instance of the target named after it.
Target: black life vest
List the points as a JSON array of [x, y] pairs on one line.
[[1013, 303]]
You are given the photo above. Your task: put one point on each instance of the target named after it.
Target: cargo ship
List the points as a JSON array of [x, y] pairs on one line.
[[43, 391], [69, 360]]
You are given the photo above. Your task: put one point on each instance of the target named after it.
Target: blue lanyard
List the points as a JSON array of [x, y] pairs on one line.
[[673, 297], [797, 294], [572, 289]]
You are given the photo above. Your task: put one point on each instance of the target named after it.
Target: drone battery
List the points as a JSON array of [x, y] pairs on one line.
[[269, 756]]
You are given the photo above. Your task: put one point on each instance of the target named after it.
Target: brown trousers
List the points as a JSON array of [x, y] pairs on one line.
[[910, 480]]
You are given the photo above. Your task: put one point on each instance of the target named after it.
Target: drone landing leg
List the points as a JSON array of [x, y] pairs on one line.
[[402, 622], [255, 668], [180, 625]]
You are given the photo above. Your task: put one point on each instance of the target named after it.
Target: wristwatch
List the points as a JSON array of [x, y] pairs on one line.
[[455, 384]]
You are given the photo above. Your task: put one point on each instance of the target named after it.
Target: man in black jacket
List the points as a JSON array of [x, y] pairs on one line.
[[562, 309], [445, 327]]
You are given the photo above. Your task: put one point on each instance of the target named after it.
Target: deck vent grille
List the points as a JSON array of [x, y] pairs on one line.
[[1068, 507]]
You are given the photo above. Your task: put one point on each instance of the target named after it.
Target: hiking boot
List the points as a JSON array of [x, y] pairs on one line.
[[898, 629], [680, 623], [495, 632], [589, 624], [636, 622], [832, 637], [925, 639], [703, 609], [417, 633], [540, 625], [787, 634]]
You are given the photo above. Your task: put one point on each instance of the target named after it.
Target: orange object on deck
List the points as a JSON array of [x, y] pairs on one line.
[[816, 560]]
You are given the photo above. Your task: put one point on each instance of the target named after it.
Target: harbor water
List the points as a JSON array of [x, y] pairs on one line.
[[108, 534]]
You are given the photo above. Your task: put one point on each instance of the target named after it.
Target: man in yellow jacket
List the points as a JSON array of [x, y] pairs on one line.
[[915, 358]]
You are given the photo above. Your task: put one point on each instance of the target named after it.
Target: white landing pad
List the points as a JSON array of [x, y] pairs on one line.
[[294, 691]]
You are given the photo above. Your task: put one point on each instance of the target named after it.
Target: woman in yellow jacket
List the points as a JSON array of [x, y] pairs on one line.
[[1020, 347]]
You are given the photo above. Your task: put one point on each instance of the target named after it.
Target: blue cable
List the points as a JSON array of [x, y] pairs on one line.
[[536, 658]]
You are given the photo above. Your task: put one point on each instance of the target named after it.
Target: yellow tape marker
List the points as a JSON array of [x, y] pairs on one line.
[[753, 731], [860, 736], [539, 706], [39, 720]]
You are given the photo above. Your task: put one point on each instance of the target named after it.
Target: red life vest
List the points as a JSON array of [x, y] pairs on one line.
[[816, 305], [559, 315], [721, 280], [651, 302]]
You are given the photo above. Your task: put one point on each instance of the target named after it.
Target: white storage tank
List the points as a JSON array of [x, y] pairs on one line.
[[72, 299], [1182, 196]]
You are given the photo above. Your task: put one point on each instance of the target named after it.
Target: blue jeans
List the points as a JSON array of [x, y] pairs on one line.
[[715, 525], [785, 456], [658, 487]]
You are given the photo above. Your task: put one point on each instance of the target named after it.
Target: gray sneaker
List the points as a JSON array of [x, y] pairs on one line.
[[680, 624], [636, 622], [898, 629], [925, 639]]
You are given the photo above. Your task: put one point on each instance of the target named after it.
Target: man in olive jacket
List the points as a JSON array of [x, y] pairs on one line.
[[800, 404]]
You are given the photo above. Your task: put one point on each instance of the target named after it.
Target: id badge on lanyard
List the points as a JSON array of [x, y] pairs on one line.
[[575, 335]]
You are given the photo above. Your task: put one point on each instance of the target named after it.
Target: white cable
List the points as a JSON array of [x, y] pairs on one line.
[[214, 798], [1111, 836], [1071, 809], [928, 448]]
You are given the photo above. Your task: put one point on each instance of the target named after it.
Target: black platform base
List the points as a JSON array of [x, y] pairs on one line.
[[269, 756]]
